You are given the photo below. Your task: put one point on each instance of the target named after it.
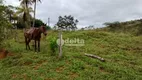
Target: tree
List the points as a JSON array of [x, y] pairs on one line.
[[82, 29], [25, 15], [67, 22], [9, 11], [91, 27], [25, 3], [35, 2], [15, 19], [113, 26], [140, 29], [25, 10], [48, 27], [4, 23], [38, 23], [11, 14], [55, 27]]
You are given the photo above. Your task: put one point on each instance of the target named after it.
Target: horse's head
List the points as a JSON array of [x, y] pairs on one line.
[[43, 30]]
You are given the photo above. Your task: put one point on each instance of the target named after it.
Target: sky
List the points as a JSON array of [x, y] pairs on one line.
[[88, 12]]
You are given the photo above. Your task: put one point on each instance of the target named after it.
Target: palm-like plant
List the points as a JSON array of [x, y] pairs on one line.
[[15, 18], [35, 2], [25, 13], [26, 3], [9, 12], [25, 10]]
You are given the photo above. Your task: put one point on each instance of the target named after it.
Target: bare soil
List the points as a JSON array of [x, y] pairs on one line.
[[4, 53]]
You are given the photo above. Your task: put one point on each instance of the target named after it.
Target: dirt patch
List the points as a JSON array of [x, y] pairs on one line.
[[4, 53], [27, 63], [25, 77], [14, 76], [102, 69], [73, 75], [39, 64], [60, 69]]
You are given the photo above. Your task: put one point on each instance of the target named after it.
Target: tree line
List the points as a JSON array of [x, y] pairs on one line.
[[12, 17], [133, 26], [21, 17]]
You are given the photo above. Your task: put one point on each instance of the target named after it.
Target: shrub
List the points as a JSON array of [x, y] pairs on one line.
[[53, 45], [4, 23]]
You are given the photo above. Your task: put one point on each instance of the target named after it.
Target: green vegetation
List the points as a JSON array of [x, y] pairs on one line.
[[132, 27], [67, 23], [53, 45], [123, 54], [117, 44], [20, 16], [4, 22]]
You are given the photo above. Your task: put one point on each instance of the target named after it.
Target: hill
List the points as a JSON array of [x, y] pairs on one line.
[[133, 26], [122, 52]]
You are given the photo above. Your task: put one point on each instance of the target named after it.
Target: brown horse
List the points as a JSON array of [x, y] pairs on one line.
[[34, 34]]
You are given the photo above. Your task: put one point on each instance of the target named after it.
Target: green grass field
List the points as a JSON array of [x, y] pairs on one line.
[[122, 52]]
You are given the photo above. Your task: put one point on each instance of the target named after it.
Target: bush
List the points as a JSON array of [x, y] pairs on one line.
[[53, 46], [4, 23]]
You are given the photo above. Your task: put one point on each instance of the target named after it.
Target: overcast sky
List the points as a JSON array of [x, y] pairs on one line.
[[88, 12]]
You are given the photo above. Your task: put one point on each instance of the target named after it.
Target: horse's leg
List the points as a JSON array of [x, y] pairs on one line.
[[28, 43], [35, 46], [38, 45]]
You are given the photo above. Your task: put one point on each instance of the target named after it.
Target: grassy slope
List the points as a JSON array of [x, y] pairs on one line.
[[132, 27], [123, 54]]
